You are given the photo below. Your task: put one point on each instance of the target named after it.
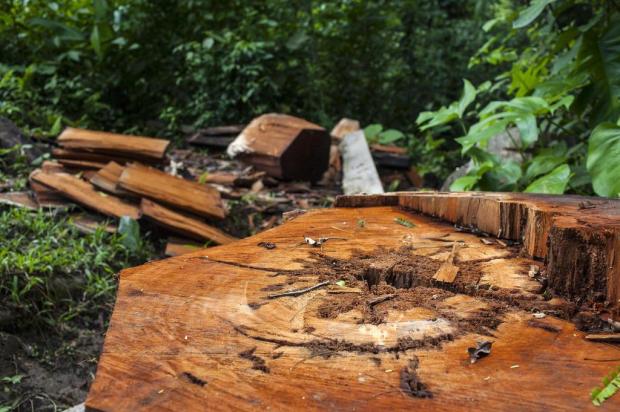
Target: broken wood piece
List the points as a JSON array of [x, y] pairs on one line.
[[81, 164], [107, 179], [344, 127], [176, 246], [19, 199], [298, 292], [604, 337], [221, 142], [111, 143], [65, 155], [448, 270], [183, 225], [87, 224], [174, 191], [50, 166], [230, 130], [283, 146], [359, 174], [85, 194]]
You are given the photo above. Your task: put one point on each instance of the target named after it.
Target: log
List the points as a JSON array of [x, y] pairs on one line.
[[199, 331], [111, 143], [283, 146], [85, 194], [174, 191], [183, 225], [81, 164]]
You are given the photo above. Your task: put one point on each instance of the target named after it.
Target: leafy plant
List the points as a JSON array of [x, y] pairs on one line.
[[611, 385], [404, 222]]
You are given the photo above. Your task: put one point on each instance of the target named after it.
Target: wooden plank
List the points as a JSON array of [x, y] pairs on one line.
[[176, 246], [198, 332], [98, 157], [359, 174], [144, 147], [19, 199], [81, 164], [233, 129], [184, 225], [174, 191], [284, 146], [85, 194]]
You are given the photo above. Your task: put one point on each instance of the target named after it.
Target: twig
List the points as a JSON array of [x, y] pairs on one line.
[[380, 299], [298, 292]]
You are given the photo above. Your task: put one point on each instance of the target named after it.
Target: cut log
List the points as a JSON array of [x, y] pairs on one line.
[[283, 146], [359, 174], [199, 331], [19, 199], [117, 144], [344, 127], [85, 194], [178, 246], [183, 225], [171, 190]]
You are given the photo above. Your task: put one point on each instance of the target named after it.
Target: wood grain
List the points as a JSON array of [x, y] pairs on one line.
[[171, 190], [85, 194], [198, 332], [107, 179], [184, 225], [132, 146]]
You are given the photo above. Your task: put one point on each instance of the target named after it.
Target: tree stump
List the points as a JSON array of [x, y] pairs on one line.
[[357, 322]]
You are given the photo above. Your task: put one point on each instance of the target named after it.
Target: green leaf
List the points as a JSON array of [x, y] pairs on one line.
[[545, 161], [464, 183], [611, 385], [604, 159], [528, 15], [95, 41], [130, 231], [469, 95], [552, 183], [371, 131], [390, 136], [404, 222]]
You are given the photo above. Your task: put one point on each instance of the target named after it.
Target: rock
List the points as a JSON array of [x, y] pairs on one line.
[[10, 135]]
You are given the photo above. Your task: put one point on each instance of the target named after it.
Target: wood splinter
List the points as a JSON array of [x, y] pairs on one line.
[[448, 270], [298, 292]]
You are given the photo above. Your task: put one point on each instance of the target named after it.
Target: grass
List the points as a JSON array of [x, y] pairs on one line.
[[50, 273]]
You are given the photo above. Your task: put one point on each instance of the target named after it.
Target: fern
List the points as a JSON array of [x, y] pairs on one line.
[[611, 384]]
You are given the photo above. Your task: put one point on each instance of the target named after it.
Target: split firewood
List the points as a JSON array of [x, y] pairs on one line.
[[344, 127], [219, 136], [137, 147], [81, 164], [173, 191], [182, 224], [359, 174], [85, 194], [448, 270], [283, 146]]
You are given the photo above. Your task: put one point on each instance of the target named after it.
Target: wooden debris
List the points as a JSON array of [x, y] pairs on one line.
[[604, 337], [107, 179], [85, 194], [344, 127], [64, 155], [137, 147], [19, 199], [49, 166], [298, 292], [359, 174], [283, 146], [219, 136], [448, 270], [81, 164], [184, 225], [173, 191], [379, 299], [178, 246], [86, 223]]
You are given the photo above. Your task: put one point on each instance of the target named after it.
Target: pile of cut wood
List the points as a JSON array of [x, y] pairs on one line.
[[279, 163]]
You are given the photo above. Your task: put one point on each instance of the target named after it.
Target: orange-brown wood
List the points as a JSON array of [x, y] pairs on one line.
[[97, 157], [173, 191], [85, 194], [107, 179], [122, 145], [81, 164], [177, 246], [182, 224], [19, 199], [283, 146], [344, 127], [208, 331]]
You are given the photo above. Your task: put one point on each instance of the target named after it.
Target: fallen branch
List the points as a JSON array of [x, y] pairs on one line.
[[298, 292]]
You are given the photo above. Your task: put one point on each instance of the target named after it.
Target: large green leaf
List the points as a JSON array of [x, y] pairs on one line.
[[469, 95], [528, 15], [604, 159], [552, 183], [545, 161], [129, 229]]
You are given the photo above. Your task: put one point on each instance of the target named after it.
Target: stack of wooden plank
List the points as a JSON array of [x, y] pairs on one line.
[[115, 178]]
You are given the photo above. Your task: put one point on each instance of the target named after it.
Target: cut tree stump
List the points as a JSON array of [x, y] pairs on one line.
[[284, 146], [177, 192], [135, 147], [85, 194], [200, 332]]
